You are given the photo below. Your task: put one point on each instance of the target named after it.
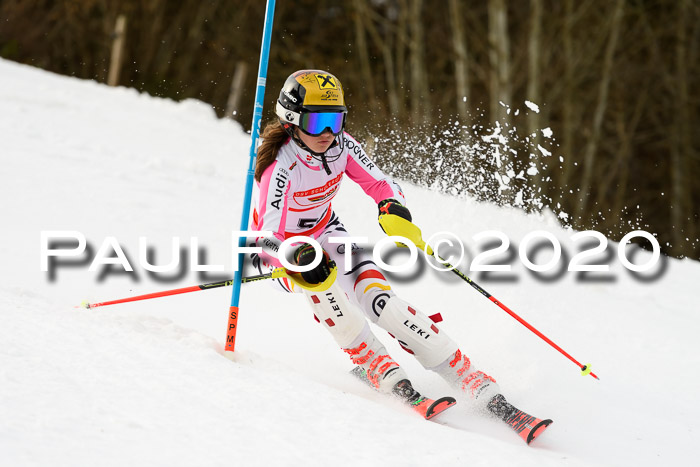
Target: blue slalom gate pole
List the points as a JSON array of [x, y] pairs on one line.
[[254, 135]]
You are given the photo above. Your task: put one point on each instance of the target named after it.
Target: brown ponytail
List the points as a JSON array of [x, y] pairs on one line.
[[273, 137]]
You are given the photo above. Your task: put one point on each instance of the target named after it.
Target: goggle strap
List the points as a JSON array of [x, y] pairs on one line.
[[289, 115], [294, 118]]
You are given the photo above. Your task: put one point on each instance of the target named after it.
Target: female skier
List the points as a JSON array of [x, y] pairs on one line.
[[301, 162]]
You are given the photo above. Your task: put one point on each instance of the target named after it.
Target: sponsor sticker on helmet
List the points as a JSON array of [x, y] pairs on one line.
[[325, 81], [330, 95]]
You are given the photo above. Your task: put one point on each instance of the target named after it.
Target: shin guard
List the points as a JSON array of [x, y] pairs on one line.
[[333, 310], [417, 334]]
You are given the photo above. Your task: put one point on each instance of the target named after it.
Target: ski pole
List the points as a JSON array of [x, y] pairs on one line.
[[276, 273], [395, 225]]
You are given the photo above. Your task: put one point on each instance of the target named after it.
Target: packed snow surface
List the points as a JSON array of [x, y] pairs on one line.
[[148, 383]]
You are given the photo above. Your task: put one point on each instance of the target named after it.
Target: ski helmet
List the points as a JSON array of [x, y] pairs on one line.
[[314, 101]]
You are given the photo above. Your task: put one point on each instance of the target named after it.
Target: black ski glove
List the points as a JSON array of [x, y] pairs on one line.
[[391, 206], [305, 255]]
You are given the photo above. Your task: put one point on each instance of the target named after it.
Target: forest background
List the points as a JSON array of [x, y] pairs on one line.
[[430, 85]]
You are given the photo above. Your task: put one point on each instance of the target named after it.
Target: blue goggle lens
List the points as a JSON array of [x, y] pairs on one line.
[[315, 123]]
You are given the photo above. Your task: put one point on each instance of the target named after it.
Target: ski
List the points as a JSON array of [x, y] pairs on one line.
[[424, 406], [528, 427]]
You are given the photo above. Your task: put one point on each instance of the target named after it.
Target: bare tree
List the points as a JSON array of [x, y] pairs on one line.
[[601, 105], [567, 101], [499, 58], [681, 147], [401, 43], [115, 62], [385, 44], [420, 103], [360, 18], [460, 60], [534, 89]]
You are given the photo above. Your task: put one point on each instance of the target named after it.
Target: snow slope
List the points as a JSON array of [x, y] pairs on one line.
[[147, 383]]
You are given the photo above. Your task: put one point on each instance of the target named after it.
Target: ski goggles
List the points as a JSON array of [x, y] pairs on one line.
[[315, 123]]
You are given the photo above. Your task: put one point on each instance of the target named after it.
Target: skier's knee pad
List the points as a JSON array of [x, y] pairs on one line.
[[416, 333], [372, 291], [333, 310], [374, 300]]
